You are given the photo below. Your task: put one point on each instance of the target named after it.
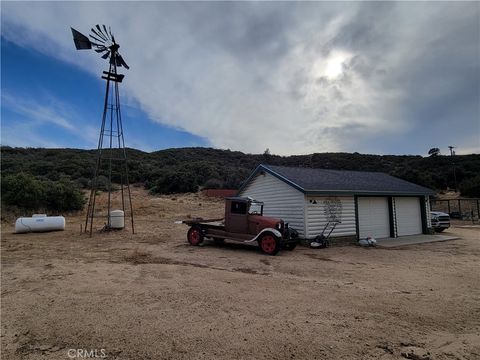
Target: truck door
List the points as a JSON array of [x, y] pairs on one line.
[[237, 220]]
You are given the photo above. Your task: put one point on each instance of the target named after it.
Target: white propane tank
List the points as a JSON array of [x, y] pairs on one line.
[[39, 223], [117, 219]]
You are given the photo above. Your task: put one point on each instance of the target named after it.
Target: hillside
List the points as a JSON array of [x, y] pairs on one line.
[[185, 169]]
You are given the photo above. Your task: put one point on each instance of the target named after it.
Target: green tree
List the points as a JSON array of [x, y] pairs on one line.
[[434, 152]]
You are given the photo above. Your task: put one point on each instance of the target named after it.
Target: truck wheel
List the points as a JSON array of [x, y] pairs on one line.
[[269, 244], [195, 236], [439, 230]]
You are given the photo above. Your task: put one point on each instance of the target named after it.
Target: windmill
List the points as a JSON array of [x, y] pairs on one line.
[[111, 144]]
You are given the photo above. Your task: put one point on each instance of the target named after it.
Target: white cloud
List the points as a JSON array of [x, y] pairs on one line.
[[35, 115], [295, 78]]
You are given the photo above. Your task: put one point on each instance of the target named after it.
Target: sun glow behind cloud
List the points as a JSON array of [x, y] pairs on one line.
[[333, 66]]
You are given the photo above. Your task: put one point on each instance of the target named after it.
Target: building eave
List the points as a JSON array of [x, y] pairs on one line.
[[366, 193]]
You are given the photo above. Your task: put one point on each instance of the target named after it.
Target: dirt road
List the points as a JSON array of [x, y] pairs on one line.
[[152, 296]]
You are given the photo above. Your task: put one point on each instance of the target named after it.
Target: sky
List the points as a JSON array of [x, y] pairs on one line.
[[293, 77]]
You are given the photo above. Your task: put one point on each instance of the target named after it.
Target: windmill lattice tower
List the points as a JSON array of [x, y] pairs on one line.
[[111, 152]]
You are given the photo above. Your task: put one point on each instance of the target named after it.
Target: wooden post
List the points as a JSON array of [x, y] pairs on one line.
[[460, 209], [449, 211]]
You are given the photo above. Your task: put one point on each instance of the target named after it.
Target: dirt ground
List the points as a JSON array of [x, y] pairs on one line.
[[152, 296]]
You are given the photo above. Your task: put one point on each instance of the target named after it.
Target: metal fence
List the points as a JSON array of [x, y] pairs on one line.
[[462, 209]]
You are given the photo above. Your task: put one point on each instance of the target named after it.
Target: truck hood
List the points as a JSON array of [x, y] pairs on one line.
[[265, 221]]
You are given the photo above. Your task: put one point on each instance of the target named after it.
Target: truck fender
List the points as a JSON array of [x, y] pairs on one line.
[[272, 230]]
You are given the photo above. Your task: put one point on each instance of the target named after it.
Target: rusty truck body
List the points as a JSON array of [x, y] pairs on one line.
[[244, 222]]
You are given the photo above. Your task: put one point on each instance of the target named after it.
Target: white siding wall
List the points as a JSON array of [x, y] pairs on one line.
[[281, 200], [315, 213]]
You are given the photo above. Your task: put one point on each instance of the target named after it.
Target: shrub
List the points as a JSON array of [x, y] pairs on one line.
[[83, 182], [26, 192], [64, 195], [213, 184], [471, 187], [23, 191], [169, 182], [102, 183]]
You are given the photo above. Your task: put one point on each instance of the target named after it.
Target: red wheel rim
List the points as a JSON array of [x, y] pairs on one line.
[[268, 244], [195, 236]]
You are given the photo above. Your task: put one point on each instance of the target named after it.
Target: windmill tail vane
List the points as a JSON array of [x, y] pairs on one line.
[[111, 159], [102, 41]]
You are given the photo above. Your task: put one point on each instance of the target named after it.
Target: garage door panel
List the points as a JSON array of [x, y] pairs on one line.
[[373, 217], [408, 216]]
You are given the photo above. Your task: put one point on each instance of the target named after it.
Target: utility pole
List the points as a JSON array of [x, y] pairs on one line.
[[452, 153]]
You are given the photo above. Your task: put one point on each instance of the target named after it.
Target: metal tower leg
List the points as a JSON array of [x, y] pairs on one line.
[[112, 105]]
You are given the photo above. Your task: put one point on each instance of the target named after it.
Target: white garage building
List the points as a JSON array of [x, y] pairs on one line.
[[363, 203]]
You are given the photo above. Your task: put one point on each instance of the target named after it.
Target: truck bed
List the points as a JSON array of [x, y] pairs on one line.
[[205, 222]]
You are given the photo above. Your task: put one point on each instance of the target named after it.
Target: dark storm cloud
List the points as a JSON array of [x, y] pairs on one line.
[[442, 78]]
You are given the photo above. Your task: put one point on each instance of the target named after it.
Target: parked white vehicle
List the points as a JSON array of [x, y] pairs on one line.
[[440, 220]]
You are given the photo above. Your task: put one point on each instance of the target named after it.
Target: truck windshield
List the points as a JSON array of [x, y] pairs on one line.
[[256, 208]]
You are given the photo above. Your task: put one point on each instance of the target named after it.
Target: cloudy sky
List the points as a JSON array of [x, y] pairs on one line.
[[380, 77]]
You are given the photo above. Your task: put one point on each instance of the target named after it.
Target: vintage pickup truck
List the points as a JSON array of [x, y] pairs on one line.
[[244, 222]]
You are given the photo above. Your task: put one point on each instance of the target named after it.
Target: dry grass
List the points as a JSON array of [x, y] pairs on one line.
[[138, 257]]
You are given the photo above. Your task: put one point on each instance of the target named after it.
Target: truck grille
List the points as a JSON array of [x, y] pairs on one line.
[[444, 218]]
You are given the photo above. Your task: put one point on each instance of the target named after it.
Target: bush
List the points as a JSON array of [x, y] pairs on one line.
[[169, 182], [28, 193], [471, 187], [83, 182], [63, 195], [102, 183], [23, 191], [213, 184]]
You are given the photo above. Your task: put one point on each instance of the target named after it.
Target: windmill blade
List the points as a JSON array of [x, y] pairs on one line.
[[102, 49], [96, 39], [105, 28], [104, 56], [105, 32], [110, 32], [121, 62], [99, 34], [98, 45], [81, 41]]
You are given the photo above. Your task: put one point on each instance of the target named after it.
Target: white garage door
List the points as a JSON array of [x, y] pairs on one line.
[[373, 219], [408, 216]]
